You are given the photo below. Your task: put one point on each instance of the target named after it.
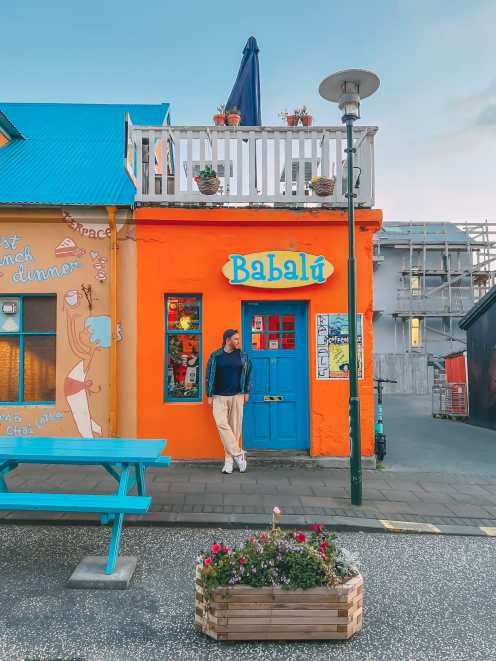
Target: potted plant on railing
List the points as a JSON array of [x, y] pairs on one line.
[[323, 186], [207, 181], [291, 120], [305, 117], [220, 117], [233, 116], [279, 585]]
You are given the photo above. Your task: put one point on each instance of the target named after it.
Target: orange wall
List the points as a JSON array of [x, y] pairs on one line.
[[183, 251]]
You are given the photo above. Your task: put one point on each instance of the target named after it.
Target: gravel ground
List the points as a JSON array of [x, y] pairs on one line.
[[427, 598]]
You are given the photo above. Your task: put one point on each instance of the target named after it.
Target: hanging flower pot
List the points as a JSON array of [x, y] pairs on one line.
[[322, 186], [207, 181]]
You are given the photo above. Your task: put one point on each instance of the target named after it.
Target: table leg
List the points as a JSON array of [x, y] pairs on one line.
[[113, 554], [6, 468], [139, 471]]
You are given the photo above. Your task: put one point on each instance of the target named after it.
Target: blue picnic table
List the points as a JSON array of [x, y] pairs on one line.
[[126, 460]]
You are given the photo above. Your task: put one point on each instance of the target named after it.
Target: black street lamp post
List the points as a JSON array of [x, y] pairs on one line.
[[347, 88]]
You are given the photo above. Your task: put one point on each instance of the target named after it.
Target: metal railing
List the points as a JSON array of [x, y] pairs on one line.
[[419, 301], [256, 165]]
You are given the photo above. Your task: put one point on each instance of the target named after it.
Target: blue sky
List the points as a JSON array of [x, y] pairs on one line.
[[436, 108]]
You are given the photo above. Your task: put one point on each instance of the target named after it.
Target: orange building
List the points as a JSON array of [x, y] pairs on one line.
[[280, 277]]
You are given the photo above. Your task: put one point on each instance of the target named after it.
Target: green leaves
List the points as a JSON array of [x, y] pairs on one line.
[[287, 559]]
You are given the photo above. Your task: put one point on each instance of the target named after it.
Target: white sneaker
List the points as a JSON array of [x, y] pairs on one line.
[[240, 460], [228, 466]]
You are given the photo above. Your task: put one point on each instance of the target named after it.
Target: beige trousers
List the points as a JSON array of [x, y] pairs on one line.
[[228, 416]]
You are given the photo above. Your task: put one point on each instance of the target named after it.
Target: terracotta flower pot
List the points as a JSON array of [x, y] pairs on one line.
[[233, 119], [219, 120], [307, 120], [292, 120]]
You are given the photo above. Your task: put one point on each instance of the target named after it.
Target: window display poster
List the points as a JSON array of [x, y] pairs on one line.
[[333, 346]]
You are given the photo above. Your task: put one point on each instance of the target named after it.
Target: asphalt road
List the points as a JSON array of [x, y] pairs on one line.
[[427, 598], [418, 442]]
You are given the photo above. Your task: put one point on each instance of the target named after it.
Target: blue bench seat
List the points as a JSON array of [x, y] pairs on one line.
[[64, 502]]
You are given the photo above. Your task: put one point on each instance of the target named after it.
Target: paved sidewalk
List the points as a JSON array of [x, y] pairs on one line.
[[198, 494]]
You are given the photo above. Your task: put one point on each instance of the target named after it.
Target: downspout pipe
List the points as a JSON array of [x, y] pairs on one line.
[[111, 212]]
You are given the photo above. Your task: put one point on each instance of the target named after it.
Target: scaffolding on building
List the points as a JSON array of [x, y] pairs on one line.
[[466, 272]]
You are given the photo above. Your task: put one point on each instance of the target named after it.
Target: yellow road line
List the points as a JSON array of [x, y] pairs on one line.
[[408, 526], [491, 532]]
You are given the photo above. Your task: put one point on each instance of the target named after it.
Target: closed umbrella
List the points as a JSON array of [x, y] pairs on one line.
[[245, 94]]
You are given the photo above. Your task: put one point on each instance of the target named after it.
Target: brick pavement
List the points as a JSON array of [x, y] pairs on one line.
[[197, 493]]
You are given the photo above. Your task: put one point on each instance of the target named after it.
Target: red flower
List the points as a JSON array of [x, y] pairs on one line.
[[316, 527], [207, 561], [323, 546], [264, 537], [300, 537], [216, 548], [197, 179], [225, 549], [243, 561]]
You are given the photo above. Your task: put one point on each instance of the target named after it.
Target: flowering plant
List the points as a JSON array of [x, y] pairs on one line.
[[287, 559], [207, 173]]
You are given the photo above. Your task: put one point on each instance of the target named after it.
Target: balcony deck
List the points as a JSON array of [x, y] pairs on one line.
[[257, 166]]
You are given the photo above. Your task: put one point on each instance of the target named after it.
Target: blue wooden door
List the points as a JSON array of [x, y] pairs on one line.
[[275, 338]]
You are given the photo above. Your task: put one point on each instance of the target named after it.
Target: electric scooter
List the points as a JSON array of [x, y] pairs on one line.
[[380, 436]]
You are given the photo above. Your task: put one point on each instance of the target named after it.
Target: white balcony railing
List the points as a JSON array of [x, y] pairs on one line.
[[256, 166]]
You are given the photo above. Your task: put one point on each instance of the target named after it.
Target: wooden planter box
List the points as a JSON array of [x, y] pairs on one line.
[[246, 613]]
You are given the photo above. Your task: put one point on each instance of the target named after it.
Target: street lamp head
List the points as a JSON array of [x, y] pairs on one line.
[[347, 88]]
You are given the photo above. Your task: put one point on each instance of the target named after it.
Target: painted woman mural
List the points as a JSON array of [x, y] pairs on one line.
[[85, 337]]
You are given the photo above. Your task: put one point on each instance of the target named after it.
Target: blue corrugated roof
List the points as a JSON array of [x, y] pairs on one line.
[[401, 232], [71, 153]]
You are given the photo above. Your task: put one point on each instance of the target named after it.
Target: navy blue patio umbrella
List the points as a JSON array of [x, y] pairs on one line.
[[245, 94]]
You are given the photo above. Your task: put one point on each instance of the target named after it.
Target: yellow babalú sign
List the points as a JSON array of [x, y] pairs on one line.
[[277, 269]]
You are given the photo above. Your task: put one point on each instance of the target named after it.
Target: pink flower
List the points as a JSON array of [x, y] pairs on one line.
[[316, 527], [264, 537], [216, 548], [276, 510], [300, 537], [225, 549], [207, 561], [243, 561]]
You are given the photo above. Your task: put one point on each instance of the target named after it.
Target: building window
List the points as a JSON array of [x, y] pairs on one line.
[[415, 333], [415, 285], [273, 332], [183, 348], [27, 349]]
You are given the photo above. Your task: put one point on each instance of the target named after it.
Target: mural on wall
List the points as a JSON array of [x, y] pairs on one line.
[[86, 336], [99, 264], [68, 248], [13, 424], [19, 255], [333, 346], [89, 230]]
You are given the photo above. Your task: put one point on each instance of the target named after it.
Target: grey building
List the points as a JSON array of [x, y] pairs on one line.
[[427, 276]]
